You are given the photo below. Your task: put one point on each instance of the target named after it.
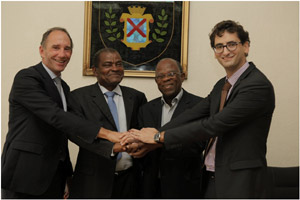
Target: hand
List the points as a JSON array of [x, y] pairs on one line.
[[118, 148], [145, 135], [133, 147], [112, 136], [127, 138], [143, 149]]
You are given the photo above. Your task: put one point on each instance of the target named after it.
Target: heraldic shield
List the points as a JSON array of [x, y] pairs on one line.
[[142, 32]]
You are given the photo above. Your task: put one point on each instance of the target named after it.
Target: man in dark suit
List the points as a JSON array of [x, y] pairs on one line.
[[235, 161], [98, 174], [35, 160], [170, 174]]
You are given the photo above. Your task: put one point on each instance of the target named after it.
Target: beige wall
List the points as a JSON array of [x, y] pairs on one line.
[[274, 34]]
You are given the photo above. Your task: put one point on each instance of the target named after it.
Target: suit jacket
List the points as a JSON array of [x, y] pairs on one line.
[[95, 168], [179, 169], [242, 128], [36, 140]]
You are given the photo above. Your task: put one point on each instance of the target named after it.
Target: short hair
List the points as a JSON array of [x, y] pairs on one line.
[[231, 27], [47, 33], [96, 58], [177, 63]]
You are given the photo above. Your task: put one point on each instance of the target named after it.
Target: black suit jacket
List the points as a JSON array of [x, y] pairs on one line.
[[36, 140], [94, 172], [242, 128], [180, 168]]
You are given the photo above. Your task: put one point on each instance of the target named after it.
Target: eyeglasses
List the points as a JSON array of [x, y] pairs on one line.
[[231, 46], [168, 75]]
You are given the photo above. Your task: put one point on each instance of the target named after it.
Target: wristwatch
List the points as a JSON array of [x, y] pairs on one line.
[[157, 137]]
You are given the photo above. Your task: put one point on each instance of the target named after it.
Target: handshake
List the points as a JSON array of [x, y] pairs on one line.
[[136, 143]]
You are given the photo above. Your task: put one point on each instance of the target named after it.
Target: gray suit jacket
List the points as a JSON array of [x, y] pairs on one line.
[[242, 128]]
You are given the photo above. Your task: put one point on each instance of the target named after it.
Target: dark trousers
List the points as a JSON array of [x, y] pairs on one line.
[[209, 187], [55, 190], [125, 185]]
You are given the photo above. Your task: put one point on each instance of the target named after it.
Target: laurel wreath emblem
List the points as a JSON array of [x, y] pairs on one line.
[[162, 27], [111, 23]]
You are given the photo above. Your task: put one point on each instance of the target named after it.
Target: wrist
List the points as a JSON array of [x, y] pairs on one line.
[[159, 137]]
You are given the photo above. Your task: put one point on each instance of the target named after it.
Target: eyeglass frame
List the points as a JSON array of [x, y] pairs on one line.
[[231, 42], [169, 75]]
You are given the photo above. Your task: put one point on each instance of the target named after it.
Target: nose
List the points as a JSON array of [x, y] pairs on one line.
[[62, 53], [225, 51], [114, 67]]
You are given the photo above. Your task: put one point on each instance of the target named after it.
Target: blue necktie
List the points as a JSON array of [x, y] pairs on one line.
[[113, 109]]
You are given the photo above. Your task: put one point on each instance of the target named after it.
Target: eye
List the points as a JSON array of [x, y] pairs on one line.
[[231, 44], [219, 46]]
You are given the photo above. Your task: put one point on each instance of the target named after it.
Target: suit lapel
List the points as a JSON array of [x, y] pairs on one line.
[[49, 85], [182, 105], [100, 102], [244, 75], [128, 103], [157, 110]]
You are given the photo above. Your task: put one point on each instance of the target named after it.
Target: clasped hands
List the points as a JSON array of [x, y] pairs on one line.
[[136, 143]]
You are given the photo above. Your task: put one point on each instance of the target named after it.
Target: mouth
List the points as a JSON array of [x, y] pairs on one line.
[[228, 58], [169, 86], [60, 61]]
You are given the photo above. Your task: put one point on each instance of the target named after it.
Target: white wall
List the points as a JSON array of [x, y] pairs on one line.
[[274, 35]]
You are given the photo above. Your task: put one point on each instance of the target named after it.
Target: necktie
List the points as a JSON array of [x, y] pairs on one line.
[[113, 109], [224, 93], [112, 106], [57, 80]]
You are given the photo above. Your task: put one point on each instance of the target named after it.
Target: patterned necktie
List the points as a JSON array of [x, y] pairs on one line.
[[57, 80], [113, 109]]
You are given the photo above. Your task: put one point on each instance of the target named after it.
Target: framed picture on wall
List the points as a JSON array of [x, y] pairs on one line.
[[143, 32]]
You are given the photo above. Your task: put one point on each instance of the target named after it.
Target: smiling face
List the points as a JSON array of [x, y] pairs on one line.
[[56, 52], [168, 79], [110, 71], [231, 60]]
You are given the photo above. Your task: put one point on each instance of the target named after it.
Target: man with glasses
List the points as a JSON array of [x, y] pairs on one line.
[[235, 117], [173, 174]]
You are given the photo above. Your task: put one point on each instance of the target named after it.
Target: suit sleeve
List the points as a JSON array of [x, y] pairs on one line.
[[99, 146], [29, 91], [252, 100]]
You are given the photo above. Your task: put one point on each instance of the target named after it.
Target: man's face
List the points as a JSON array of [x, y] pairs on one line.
[[168, 78], [231, 60], [57, 51], [110, 71]]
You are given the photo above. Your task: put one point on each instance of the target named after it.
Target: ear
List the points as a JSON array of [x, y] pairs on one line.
[[41, 50], [95, 71], [246, 46], [182, 76]]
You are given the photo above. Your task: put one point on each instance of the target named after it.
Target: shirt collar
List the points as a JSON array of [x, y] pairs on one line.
[[175, 100], [233, 79], [117, 89], [51, 74]]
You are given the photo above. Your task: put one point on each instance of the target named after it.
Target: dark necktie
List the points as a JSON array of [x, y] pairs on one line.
[[224, 93], [57, 80]]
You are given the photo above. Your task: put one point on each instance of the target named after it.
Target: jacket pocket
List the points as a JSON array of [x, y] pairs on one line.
[[27, 146], [245, 164]]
